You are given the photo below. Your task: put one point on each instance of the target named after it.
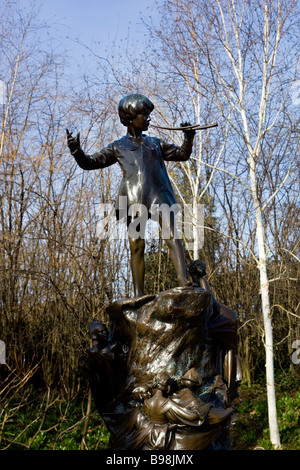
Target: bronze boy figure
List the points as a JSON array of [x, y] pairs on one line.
[[145, 179]]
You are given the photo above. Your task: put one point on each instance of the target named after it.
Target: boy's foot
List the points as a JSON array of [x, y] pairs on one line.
[[185, 282]]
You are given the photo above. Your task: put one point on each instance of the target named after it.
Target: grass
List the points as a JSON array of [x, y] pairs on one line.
[[58, 427]]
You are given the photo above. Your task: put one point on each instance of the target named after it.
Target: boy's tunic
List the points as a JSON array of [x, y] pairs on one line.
[[145, 178]]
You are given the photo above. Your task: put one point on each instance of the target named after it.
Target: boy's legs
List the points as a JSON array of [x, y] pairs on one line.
[[178, 259], [137, 248], [176, 250], [136, 225]]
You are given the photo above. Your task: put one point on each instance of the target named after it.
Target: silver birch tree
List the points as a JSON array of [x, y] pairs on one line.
[[230, 21]]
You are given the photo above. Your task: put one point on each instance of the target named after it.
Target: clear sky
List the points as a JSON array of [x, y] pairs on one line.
[[95, 21]]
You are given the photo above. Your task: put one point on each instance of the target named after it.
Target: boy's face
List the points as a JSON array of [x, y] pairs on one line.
[[141, 121]]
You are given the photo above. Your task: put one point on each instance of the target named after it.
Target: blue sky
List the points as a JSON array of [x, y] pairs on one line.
[[95, 21]]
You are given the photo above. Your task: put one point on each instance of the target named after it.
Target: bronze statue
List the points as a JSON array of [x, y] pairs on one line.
[[161, 409], [188, 396], [164, 374], [165, 414], [106, 359], [212, 420], [174, 421], [155, 375], [145, 179], [222, 327]]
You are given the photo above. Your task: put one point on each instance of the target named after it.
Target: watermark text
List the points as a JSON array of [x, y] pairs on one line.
[[296, 354], [2, 352], [173, 221]]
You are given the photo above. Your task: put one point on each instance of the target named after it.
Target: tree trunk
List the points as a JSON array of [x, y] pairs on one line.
[[265, 300]]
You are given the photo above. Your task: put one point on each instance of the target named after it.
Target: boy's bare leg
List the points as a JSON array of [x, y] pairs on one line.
[[178, 259], [176, 252], [137, 248]]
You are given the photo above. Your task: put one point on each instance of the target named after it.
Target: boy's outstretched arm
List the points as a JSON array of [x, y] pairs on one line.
[[97, 160], [172, 153]]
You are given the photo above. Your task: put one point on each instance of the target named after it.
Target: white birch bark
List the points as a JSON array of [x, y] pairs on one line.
[[265, 302], [253, 151]]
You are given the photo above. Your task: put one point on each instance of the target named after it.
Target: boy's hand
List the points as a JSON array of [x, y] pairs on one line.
[[73, 143], [188, 133]]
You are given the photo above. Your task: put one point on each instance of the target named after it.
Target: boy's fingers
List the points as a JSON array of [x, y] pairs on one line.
[[69, 134]]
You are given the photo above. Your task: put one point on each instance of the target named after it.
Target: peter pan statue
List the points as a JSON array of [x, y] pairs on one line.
[[145, 178]]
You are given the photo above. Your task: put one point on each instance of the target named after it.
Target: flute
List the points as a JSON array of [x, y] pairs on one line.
[[194, 127]]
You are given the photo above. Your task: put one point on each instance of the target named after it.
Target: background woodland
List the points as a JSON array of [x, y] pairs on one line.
[[223, 61]]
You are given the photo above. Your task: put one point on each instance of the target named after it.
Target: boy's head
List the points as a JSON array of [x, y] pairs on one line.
[[132, 105]]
